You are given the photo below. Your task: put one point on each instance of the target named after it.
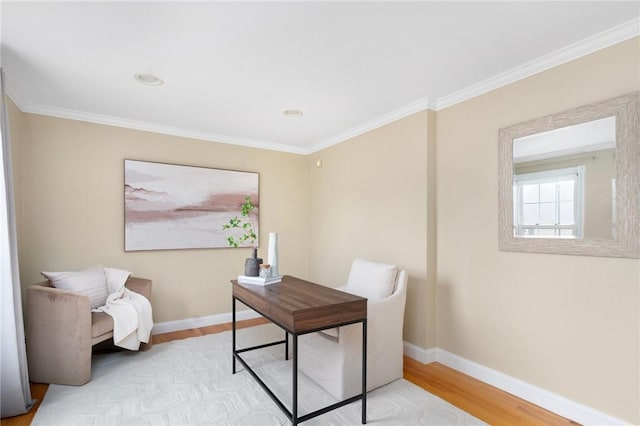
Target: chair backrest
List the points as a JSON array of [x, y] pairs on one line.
[[373, 280]]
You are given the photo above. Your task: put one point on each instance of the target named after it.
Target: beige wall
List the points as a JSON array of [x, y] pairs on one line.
[[69, 189], [568, 324], [370, 200]]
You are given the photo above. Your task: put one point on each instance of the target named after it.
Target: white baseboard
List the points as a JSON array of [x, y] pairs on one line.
[[197, 322], [543, 398], [548, 400], [425, 356]]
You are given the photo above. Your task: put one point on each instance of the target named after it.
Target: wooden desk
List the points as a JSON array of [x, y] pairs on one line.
[[300, 307]]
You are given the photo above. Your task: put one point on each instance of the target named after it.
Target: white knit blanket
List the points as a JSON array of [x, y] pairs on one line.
[[131, 312]]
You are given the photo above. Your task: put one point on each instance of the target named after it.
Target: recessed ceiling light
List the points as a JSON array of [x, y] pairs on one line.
[[148, 79], [292, 113]]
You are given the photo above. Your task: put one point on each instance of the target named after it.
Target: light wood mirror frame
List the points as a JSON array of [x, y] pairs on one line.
[[626, 240]]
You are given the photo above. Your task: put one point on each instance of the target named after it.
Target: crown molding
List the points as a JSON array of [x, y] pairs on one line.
[[576, 50], [397, 114], [394, 115], [147, 127], [592, 44], [14, 95]]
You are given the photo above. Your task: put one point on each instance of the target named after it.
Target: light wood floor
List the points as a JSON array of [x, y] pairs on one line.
[[478, 399]]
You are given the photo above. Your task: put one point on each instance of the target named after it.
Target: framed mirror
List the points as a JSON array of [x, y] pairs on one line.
[[569, 183]]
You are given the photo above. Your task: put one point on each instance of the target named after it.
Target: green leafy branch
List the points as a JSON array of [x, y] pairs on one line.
[[246, 224]]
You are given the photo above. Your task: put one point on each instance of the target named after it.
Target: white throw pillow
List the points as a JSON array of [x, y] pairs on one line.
[[116, 278], [90, 282], [375, 281]]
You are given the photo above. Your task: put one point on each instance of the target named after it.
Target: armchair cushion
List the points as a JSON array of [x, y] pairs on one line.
[[375, 281], [89, 282], [101, 324]]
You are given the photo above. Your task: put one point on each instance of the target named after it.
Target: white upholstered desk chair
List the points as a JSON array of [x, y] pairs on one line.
[[332, 358]]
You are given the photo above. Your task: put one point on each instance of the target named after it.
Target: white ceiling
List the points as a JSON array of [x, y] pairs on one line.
[[231, 68], [585, 137]]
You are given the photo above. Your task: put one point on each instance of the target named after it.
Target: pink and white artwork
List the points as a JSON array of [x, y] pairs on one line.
[[167, 206]]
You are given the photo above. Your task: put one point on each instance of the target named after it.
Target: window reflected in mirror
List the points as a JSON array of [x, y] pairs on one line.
[[564, 182]]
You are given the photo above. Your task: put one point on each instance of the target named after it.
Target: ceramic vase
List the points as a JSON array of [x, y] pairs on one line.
[[252, 264], [273, 254]]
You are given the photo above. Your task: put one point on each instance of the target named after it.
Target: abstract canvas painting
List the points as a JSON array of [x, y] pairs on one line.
[[169, 206]]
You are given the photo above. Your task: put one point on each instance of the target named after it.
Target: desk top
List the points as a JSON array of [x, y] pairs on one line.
[[301, 306]]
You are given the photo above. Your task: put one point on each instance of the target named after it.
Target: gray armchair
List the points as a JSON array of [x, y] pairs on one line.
[[61, 331]]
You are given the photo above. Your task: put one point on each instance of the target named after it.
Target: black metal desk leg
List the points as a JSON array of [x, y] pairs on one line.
[[294, 408], [233, 335], [286, 345], [364, 371]]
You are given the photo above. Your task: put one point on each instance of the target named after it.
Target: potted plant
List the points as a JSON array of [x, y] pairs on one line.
[[247, 237]]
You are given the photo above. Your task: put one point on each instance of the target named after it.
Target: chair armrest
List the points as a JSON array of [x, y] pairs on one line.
[[139, 285], [41, 296], [388, 309], [385, 319], [58, 331]]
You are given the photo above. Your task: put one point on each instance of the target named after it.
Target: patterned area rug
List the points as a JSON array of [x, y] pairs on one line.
[[189, 382]]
